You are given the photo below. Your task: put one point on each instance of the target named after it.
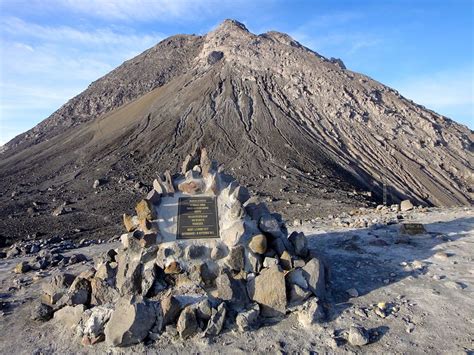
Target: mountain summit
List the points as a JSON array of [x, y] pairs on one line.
[[306, 132]]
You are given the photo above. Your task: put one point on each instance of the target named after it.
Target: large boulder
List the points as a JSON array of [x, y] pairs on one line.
[[102, 292], [130, 321], [314, 274], [268, 289], [258, 244], [129, 272], [170, 308], [300, 244], [94, 321]]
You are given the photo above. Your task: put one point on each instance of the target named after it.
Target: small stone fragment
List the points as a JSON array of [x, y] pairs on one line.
[[258, 244], [358, 336]]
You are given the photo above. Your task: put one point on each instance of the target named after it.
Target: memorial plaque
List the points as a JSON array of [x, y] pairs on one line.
[[197, 218], [412, 228]]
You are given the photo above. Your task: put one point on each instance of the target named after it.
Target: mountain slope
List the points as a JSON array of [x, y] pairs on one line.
[[299, 128]]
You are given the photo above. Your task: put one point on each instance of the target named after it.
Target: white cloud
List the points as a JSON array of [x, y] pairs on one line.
[[41, 67], [449, 92]]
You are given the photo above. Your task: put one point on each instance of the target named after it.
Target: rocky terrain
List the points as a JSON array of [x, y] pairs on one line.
[[308, 135], [387, 293]]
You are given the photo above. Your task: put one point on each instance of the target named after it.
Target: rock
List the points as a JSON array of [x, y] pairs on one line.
[[214, 57], [129, 223], [191, 187], [69, 316], [236, 258], [232, 291], [159, 187], [219, 251], [310, 313], [56, 287], [94, 326], [203, 310], [358, 336], [170, 308], [153, 197], [169, 182], [96, 184], [205, 163], [107, 272], [268, 289], [258, 244], [42, 312], [216, 322], [285, 261], [406, 205], [129, 273], [145, 210], [241, 194], [296, 277], [440, 255], [173, 268], [196, 251], [77, 258], [233, 234], [297, 222], [313, 272], [248, 320], [22, 267], [268, 224], [352, 292], [300, 244], [13, 251], [79, 292], [187, 324], [297, 295], [267, 262], [102, 292], [130, 322]]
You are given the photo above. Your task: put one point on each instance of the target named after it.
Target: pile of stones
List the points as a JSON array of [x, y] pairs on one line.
[[155, 285]]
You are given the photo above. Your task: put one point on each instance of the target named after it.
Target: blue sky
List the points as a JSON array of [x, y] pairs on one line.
[[50, 50]]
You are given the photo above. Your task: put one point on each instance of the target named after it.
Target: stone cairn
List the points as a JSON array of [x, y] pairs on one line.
[[154, 285]]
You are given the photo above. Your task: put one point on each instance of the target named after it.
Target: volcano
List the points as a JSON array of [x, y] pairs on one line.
[[303, 132]]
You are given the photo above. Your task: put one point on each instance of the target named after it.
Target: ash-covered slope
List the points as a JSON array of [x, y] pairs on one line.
[[288, 122]]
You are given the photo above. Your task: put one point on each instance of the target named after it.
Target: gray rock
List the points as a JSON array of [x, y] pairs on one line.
[[79, 293], [297, 295], [203, 309], [248, 319], [219, 251], [310, 313], [129, 273], [187, 324], [314, 274], [358, 336], [233, 234], [216, 322], [267, 262], [42, 312], [69, 316], [406, 205], [300, 244], [56, 287], [235, 260], [268, 289], [102, 292], [269, 224], [130, 322], [296, 277], [97, 318], [232, 291], [13, 251], [77, 258], [196, 251], [170, 308], [258, 244]]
